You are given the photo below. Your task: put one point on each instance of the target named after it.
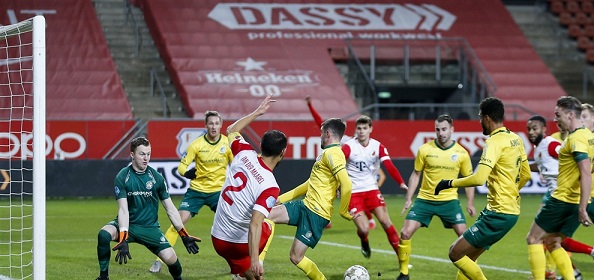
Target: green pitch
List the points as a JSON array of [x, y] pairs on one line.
[[72, 227]]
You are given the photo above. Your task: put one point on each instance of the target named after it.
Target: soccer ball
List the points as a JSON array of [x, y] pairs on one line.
[[356, 272]]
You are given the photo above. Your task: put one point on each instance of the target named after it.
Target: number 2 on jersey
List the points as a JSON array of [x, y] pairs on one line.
[[243, 179]]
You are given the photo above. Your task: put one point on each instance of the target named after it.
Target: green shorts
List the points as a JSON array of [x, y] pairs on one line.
[[546, 196], [558, 216], [194, 200], [150, 237], [449, 212], [489, 228], [309, 224]]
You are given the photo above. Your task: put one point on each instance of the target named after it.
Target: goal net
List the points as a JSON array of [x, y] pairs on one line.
[[22, 150]]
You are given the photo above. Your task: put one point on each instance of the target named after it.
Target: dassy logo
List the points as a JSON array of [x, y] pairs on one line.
[[394, 17], [252, 76]]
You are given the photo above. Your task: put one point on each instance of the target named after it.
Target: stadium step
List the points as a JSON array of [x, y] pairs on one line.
[[552, 43], [135, 54]]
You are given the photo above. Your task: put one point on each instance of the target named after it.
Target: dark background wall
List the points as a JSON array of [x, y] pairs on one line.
[[90, 178]]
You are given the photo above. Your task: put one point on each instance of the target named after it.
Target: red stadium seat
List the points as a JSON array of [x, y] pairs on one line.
[[589, 31], [566, 19], [575, 31], [557, 7], [572, 6], [590, 56], [584, 43], [582, 18], [588, 7]]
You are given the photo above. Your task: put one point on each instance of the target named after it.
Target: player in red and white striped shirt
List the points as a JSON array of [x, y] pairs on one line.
[[240, 233], [364, 155]]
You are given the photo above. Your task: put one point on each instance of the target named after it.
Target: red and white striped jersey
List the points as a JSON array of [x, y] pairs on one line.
[[547, 159], [250, 186], [363, 163]]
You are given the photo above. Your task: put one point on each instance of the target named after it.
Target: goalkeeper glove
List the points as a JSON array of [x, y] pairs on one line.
[[442, 185], [189, 241], [190, 174], [123, 253]]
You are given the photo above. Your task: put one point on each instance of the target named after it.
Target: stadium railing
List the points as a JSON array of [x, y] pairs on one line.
[[363, 79]]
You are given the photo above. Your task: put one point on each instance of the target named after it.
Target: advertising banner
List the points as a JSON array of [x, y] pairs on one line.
[[64, 139], [402, 138]]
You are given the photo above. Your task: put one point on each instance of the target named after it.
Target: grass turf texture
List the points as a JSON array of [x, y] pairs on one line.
[[72, 227]]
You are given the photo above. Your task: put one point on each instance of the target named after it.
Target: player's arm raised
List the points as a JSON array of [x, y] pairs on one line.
[[240, 124], [188, 240]]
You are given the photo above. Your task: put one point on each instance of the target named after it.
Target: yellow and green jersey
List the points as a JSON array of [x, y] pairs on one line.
[[578, 146], [439, 163], [557, 135], [211, 160], [323, 182], [504, 153]]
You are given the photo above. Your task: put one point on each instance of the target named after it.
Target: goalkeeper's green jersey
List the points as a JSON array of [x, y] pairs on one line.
[[578, 146], [144, 191], [211, 160], [439, 163]]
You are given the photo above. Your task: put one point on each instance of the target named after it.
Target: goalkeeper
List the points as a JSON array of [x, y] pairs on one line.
[[211, 156], [138, 188]]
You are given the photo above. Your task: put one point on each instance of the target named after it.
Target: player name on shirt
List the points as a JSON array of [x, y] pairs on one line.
[[246, 162]]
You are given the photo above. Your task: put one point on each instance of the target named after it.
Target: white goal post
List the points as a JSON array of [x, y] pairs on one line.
[[22, 163]]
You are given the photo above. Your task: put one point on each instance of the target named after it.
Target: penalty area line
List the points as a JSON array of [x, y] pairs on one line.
[[412, 256]]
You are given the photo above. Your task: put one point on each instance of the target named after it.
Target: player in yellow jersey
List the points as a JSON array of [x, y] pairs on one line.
[[504, 167], [559, 135], [211, 155], [557, 217], [437, 159], [312, 213]]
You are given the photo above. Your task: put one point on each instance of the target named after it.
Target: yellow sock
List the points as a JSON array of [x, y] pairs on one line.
[[310, 269], [461, 276], [536, 258], [550, 262], [404, 249], [470, 269], [265, 250], [563, 263], [171, 236]]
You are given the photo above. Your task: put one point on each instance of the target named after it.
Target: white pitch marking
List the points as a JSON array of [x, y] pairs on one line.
[[414, 256]]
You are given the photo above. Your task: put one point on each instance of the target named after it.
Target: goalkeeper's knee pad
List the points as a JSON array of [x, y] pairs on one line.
[[103, 237]]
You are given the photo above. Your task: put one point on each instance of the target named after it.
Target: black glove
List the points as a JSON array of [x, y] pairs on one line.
[[123, 253], [190, 174], [442, 185], [189, 241]]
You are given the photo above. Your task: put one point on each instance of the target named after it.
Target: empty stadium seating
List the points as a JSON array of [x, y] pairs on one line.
[[202, 41], [82, 80], [578, 17]]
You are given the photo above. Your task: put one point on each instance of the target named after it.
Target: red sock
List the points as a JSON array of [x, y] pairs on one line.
[[574, 246], [393, 237], [368, 214]]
